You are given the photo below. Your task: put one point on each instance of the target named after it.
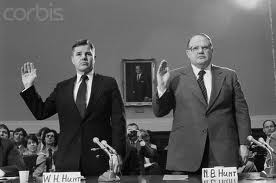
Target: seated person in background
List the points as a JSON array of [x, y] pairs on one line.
[[30, 155], [19, 137], [39, 137], [45, 159], [151, 166], [137, 150], [249, 166], [269, 128], [10, 159], [32, 144], [4, 131]]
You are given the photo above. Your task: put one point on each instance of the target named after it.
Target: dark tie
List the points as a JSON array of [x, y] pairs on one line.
[[50, 159], [202, 85], [81, 96]]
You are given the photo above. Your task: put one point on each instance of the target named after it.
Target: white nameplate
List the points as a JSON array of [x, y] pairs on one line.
[[235, 180], [61, 177], [219, 173]]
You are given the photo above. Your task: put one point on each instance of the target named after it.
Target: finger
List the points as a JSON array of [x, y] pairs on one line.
[[25, 67], [28, 67], [22, 70], [32, 66], [162, 66]]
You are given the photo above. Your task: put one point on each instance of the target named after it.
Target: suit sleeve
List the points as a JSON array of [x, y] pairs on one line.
[[15, 162], [118, 121], [241, 113], [41, 110]]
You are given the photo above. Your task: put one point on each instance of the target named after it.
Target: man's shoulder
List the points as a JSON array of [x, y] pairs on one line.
[[6, 143], [223, 69]]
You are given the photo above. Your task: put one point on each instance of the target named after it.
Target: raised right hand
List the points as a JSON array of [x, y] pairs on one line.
[[163, 75], [28, 74]]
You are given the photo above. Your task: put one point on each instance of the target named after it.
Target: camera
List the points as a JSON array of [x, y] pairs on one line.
[[132, 135]]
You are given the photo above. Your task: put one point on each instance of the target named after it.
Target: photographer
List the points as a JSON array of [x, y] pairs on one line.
[[140, 152]]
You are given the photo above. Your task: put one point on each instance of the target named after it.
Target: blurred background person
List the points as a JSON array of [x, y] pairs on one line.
[[19, 137], [39, 137], [46, 157], [4, 131], [10, 159], [140, 153], [32, 145]]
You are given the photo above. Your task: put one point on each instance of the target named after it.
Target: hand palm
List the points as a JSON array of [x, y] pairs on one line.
[[29, 77]]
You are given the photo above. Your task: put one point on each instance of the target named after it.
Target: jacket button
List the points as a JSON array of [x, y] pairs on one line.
[[204, 131]]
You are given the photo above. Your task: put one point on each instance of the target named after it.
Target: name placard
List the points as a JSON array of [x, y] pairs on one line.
[[235, 180], [219, 173], [61, 177]]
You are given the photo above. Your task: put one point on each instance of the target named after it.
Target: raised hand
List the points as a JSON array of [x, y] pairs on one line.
[[163, 75], [28, 74]]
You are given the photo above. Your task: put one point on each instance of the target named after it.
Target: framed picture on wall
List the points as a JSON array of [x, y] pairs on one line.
[[138, 79]]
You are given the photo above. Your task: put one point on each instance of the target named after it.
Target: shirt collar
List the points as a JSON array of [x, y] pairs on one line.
[[89, 75], [196, 70]]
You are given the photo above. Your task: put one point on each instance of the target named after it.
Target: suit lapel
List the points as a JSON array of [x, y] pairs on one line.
[[95, 92], [188, 71], [217, 81]]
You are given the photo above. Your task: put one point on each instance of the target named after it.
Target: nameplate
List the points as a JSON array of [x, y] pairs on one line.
[[61, 177], [219, 173], [234, 180]]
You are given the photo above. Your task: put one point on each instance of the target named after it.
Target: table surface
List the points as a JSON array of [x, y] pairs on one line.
[[244, 178]]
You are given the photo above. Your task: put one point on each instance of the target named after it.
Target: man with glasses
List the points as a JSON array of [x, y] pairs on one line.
[[210, 115]]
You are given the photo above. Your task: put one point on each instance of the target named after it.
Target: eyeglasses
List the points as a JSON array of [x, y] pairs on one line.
[[198, 48], [49, 136]]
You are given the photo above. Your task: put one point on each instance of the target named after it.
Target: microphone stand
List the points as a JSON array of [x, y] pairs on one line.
[[109, 175], [270, 170]]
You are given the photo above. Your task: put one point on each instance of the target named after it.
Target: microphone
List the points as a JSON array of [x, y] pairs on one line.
[[266, 144], [96, 141], [108, 146], [251, 139]]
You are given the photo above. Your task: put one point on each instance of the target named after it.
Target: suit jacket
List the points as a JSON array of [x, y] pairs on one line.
[[104, 118], [10, 159], [225, 120], [141, 88]]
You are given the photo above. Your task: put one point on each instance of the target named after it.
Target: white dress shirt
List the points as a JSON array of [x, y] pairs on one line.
[[207, 77], [89, 85], [207, 80]]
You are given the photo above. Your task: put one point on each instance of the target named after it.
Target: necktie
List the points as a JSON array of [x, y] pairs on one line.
[[81, 96], [50, 159], [201, 84]]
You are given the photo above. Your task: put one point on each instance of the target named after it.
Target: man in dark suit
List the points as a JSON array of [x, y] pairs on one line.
[[10, 159], [88, 105], [210, 115], [141, 86]]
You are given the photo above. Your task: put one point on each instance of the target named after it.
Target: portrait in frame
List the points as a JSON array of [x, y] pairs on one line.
[[138, 79]]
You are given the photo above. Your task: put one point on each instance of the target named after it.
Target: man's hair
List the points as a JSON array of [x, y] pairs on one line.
[[49, 131], [42, 131], [270, 121], [133, 124], [83, 42], [6, 128], [20, 130], [200, 34]]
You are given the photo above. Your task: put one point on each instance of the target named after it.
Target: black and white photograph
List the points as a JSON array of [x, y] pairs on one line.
[[138, 81], [141, 91]]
